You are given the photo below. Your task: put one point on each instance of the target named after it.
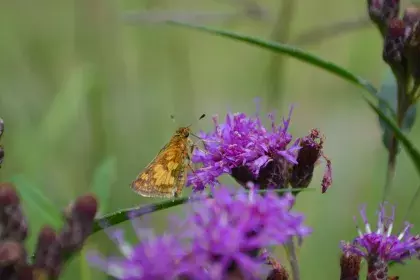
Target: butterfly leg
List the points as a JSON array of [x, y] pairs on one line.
[[180, 183]]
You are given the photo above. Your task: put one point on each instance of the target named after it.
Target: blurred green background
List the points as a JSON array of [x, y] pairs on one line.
[[86, 100]]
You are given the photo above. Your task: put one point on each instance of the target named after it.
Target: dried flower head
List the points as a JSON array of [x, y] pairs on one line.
[[402, 47], [51, 250], [13, 223], [308, 155], [394, 42], [278, 271], [381, 246], [350, 266], [218, 240]]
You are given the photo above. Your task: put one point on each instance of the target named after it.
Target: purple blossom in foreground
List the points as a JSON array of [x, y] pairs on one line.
[[381, 246], [156, 257], [227, 231], [221, 236], [244, 148]]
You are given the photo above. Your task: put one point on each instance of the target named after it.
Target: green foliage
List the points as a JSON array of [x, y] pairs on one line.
[[412, 151], [137, 72], [61, 115], [103, 179]]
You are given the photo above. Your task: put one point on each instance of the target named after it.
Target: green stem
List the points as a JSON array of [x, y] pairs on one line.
[[123, 215], [291, 250], [320, 34], [393, 149], [135, 212], [280, 33]]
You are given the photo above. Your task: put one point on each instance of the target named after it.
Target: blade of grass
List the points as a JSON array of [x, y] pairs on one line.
[[412, 151], [290, 51], [123, 215], [103, 178]]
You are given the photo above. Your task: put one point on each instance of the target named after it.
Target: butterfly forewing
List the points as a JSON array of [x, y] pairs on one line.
[[165, 175]]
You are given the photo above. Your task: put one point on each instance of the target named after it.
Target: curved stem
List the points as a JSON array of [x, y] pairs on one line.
[[291, 250], [393, 149], [276, 69], [123, 215]]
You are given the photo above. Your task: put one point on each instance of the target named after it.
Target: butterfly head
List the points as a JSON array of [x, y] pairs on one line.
[[183, 132]]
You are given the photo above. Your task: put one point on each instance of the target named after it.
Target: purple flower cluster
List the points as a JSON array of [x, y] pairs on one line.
[[243, 148], [241, 142], [382, 244], [220, 236]]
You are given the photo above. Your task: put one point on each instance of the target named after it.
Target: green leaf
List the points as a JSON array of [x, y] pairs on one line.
[[288, 50], [412, 151], [103, 178], [66, 105], [388, 92], [36, 202]]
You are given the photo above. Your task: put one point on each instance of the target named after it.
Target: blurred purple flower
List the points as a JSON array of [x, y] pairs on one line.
[[244, 148], [153, 258], [228, 230], [381, 246], [220, 236]]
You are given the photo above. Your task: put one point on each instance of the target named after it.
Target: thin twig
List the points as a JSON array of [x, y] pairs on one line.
[[280, 33], [319, 34], [412, 202], [294, 265], [393, 149], [123, 215]]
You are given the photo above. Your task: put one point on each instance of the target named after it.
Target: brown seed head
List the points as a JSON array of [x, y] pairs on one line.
[[350, 266], [79, 224], [8, 195], [13, 223], [275, 174], [48, 255], [86, 206], [11, 253]]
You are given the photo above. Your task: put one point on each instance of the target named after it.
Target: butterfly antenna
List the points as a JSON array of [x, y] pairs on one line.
[[173, 118]]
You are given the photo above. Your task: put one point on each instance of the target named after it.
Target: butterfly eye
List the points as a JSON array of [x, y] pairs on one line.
[[187, 134]]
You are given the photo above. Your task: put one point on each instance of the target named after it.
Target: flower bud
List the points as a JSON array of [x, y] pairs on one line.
[[310, 151], [1, 127], [380, 11], [13, 224], [393, 51], [79, 224]]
